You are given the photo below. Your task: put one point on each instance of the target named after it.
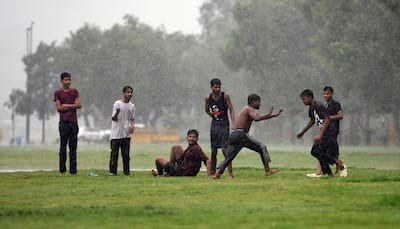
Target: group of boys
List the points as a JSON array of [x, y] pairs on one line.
[[230, 136]]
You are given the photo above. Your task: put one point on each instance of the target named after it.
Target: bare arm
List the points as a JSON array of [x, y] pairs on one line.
[[132, 126], [257, 117], [308, 126], [66, 107], [115, 115], [230, 108], [206, 107], [208, 165], [339, 116]]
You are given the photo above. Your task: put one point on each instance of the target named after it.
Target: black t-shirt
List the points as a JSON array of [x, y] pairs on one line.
[[333, 109], [219, 109], [318, 112]]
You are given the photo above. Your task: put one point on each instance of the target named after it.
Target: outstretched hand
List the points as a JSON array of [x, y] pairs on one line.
[[279, 112]]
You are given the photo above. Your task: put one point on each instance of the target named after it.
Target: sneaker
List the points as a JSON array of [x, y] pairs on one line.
[[313, 175], [343, 172], [112, 174]]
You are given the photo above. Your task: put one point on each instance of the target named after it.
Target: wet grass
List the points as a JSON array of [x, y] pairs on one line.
[[368, 198]]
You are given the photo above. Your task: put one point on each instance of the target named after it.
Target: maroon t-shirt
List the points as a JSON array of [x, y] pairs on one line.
[[191, 163], [67, 97]]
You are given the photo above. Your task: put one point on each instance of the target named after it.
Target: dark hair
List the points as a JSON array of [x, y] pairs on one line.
[[307, 93], [215, 81], [328, 88], [251, 98], [65, 74], [126, 88], [193, 131]]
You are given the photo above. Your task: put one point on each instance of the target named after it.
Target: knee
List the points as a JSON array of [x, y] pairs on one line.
[[157, 161], [263, 148], [176, 148]]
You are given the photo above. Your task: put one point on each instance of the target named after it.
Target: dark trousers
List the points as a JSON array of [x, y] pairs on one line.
[[239, 139], [68, 135], [326, 151], [123, 144]]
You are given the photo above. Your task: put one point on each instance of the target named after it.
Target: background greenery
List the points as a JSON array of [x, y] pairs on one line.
[[367, 198], [273, 48]]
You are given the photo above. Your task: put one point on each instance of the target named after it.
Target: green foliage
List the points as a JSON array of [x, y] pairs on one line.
[[271, 41], [272, 48], [359, 41]]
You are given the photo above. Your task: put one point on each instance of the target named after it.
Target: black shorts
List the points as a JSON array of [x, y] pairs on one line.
[[173, 170], [219, 135]]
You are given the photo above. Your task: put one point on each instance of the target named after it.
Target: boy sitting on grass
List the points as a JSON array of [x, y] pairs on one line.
[[183, 162]]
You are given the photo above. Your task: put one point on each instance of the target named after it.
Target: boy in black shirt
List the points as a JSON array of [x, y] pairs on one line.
[[325, 145]]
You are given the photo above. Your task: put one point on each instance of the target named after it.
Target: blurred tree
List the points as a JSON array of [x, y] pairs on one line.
[[217, 21], [271, 41], [359, 41], [43, 83], [78, 55], [15, 99]]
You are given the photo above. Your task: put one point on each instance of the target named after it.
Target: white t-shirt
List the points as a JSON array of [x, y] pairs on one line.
[[120, 128]]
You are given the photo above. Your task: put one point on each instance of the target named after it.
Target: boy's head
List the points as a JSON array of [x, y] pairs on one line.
[[215, 81], [215, 86], [307, 96], [328, 93], [254, 101], [328, 88], [128, 93], [65, 80], [192, 136], [126, 88], [64, 75]]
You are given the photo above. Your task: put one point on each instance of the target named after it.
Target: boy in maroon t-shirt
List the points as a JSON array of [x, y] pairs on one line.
[[67, 101], [183, 163]]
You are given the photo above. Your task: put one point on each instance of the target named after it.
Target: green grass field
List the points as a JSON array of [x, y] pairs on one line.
[[368, 198]]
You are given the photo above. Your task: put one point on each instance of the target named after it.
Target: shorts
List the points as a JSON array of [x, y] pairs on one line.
[[219, 135], [173, 170]]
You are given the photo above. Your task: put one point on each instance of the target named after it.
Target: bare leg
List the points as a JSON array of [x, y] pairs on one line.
[[319, 169], [339, 164], [230, 170], [213, 160], [217, 174], [175, 153]]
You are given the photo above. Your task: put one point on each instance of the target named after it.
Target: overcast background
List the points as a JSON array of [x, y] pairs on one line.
[[55, 19]]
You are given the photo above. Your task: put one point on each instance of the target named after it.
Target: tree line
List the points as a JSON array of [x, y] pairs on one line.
[[273, 48]]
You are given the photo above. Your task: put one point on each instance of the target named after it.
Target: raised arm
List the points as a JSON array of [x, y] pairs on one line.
[[258, 117]]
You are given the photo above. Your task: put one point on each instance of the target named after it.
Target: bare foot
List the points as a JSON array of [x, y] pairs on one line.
[[230, 177], [271, 171], [216, 176], [340, 164], [154, 172]]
